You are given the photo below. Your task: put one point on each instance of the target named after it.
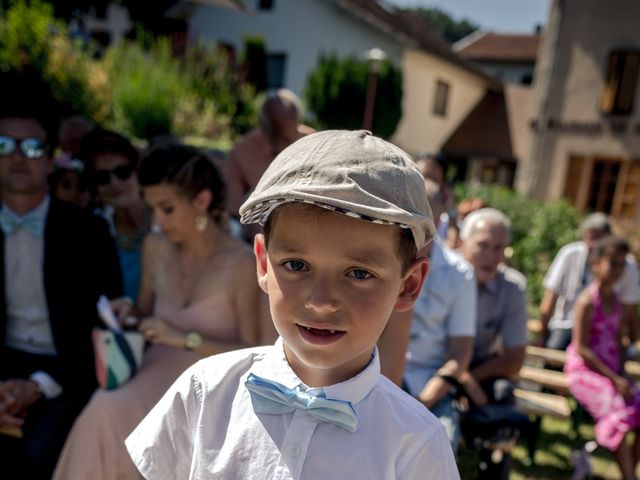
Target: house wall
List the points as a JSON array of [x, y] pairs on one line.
[[419, 129], [565, 108], [300, 28]]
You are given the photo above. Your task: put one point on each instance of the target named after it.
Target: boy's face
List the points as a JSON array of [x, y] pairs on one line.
[[332, 283]]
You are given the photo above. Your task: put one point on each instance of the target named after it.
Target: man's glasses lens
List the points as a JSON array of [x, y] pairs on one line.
[[30, 147], [7, 145], [103, 177]]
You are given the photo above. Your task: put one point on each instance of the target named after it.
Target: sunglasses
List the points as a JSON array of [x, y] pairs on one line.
[[30, 147], [103, 177]]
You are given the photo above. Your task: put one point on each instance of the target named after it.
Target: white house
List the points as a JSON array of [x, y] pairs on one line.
[[439, 90]]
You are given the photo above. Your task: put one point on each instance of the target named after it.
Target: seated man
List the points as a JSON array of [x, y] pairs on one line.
[[279, 126], [570, 273], [501, 333], [56, 261], [442, 330]]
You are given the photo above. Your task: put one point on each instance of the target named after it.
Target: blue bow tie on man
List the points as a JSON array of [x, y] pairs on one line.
[[271, 397], [32, 221]]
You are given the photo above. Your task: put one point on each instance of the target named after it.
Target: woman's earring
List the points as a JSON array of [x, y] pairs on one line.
[[201, 223]]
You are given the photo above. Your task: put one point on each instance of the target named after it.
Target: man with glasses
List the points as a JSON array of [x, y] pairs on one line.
[[56, 261]]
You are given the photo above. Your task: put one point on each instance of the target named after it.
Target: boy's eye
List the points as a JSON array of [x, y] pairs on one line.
[[360, 274], [167, 210], [294, 265]]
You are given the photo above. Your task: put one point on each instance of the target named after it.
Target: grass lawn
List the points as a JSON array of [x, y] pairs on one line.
[[553, 455]]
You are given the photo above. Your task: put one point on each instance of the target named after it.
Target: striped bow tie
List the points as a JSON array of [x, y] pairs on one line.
[[272, 397], [10, 222]]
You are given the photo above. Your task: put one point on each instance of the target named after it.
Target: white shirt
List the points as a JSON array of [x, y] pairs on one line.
[[28, 327], [566, 277], [205, 427], [445, 308]]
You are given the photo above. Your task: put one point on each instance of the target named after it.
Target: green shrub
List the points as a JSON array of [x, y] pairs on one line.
[[30, 37], [539, 229], [147, 87], [336, 93], [216, 83]]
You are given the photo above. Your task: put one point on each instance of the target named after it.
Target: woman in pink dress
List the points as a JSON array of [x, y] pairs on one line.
[[198, 296], [595, 364]]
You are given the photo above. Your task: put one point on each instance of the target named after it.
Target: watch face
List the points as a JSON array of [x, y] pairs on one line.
[[193, 340]]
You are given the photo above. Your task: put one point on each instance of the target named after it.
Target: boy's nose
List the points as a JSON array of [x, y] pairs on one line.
[[322, 297]]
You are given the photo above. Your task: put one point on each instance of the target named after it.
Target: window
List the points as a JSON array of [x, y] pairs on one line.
[[265, 4], [620, 82], [609, 185], [440, 99], [602, 187], [276, 64]]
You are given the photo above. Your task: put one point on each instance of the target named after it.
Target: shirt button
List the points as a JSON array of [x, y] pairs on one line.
[[294, 451]]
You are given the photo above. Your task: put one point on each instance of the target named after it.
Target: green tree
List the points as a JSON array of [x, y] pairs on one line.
[[336, 93], [445, 25]]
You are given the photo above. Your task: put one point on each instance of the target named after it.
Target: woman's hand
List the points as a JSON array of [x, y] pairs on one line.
[[158, 332], [123, 309], [622, 386]]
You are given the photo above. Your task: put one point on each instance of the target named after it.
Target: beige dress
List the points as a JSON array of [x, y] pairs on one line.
[[95, 447]]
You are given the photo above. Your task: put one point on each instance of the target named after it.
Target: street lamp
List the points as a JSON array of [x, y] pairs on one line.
[[375, 57]]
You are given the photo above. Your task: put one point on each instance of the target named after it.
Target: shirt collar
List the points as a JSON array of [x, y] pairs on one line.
[[437, 254], [492, 285], [275, 367]]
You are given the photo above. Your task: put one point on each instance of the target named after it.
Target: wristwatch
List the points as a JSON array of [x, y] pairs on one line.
[[192, 340]]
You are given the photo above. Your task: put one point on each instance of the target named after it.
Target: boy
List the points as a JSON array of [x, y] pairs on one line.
[[344, 214]]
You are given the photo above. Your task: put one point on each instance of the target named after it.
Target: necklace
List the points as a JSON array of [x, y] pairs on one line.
[[133, 241]]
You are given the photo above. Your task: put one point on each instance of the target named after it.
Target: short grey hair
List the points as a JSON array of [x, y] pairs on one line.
[[489, 215], [596, 221], [276, 103]]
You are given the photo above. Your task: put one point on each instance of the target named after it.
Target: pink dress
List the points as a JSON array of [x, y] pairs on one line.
[[95, 447], [596, 393]]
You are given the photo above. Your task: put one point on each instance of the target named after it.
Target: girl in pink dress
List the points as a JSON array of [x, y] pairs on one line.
[[595, 364]]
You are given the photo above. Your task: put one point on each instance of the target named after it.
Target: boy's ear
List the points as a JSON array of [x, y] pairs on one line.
[[260, 251], [412, 284]]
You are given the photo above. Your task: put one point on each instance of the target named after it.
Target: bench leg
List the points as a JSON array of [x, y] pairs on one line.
[[578, 416], [531, 435]]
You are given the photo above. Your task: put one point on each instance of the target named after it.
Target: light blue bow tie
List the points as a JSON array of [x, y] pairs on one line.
[[272, 397], [32, 221]]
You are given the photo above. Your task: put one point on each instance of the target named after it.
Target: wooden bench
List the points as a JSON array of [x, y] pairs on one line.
[[556, 358], [550, 379], [540, 403]]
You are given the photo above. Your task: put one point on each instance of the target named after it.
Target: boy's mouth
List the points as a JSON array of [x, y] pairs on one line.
[[320, 335]]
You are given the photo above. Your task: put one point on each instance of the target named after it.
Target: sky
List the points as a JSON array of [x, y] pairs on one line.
[[505, 16]]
